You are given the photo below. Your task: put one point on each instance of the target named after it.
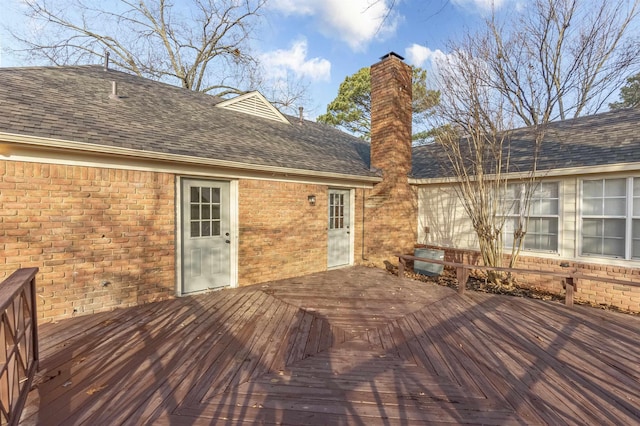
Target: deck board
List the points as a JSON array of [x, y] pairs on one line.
[[350, 346], [156, 386], [553, 371], [151, 358], [490, 363]]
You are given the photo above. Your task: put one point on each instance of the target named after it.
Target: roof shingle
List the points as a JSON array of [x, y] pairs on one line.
[[598, 140], [73, 104]]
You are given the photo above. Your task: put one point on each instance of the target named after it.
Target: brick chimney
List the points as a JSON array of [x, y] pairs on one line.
[[391, 118], [390, 221]]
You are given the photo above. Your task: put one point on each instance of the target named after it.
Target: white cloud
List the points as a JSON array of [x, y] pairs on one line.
[[479, 5], [279, 62], [355, 22], [293, 7], [419, 55]]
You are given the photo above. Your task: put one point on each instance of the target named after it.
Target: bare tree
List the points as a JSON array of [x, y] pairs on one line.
[[286, 93], [558, 59], [474, 120], [201, 45]]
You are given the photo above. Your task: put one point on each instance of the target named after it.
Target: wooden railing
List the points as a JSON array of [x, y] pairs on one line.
[[569, 278], [19, 342]]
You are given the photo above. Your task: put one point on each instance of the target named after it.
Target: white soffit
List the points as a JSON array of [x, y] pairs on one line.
[[255, 104]]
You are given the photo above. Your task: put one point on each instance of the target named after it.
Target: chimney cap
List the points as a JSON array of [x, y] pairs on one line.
[[391, 54]]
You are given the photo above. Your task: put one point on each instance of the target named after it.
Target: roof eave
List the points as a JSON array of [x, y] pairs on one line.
[[560, 172], [60, 144]]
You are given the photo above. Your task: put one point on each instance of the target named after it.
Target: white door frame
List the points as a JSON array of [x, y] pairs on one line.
[[233, 225], [351, 213]]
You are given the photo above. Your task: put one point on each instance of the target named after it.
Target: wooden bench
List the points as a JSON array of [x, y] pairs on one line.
[[569, 279]]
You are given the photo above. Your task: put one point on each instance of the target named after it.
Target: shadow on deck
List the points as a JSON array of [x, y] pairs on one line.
[[350, 346]]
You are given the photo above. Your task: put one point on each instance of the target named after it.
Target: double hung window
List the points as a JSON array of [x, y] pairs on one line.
[[611, 217], [541, 221]]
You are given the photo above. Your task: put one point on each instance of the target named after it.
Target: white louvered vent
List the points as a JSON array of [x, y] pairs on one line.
[[255, 104]]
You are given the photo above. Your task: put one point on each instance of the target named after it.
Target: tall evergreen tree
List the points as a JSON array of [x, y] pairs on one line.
[[351, 109], [629, 94]]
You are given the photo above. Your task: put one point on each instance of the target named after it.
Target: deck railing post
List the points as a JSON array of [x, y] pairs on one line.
[[401, 266], [17, 296], [34, 321], [462, 275], [569, 285]]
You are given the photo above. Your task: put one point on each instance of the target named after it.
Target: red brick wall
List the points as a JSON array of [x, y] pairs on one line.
[[389, 226], [594, 292], [281, 234], [102, 238]]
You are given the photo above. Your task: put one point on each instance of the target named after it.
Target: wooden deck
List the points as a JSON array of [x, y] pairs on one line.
[[352, 346]]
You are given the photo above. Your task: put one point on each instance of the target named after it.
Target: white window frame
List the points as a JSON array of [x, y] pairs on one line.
[[635, 218], [631, 216], [510, 214]]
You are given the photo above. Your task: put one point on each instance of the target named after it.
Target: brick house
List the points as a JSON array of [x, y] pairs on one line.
[[124, 190], [585, 211]]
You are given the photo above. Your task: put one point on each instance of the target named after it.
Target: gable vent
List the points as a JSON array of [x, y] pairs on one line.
[[254, 103]]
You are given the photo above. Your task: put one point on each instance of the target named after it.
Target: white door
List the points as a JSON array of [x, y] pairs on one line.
[[339, 248], [206, 248]]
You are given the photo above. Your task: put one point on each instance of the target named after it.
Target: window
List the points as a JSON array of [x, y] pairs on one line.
[[205, 217], [611, 217], [542, 224], [336, 211], [635, 245]]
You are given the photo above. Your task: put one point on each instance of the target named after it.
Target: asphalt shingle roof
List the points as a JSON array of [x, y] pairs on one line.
[[72, 103], [602, 139]]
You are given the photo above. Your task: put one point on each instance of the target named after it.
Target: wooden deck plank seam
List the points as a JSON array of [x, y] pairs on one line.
[[570, 394]]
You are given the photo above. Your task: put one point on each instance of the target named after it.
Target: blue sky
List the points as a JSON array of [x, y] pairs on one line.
[[323, 41]]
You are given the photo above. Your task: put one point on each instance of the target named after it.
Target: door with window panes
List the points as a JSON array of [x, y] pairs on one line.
[[339, 229], [206, 247]]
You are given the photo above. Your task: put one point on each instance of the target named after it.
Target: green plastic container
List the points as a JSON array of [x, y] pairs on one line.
[[426, 268]]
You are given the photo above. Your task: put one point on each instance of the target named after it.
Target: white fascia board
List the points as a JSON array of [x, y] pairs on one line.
[[561, 172]]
